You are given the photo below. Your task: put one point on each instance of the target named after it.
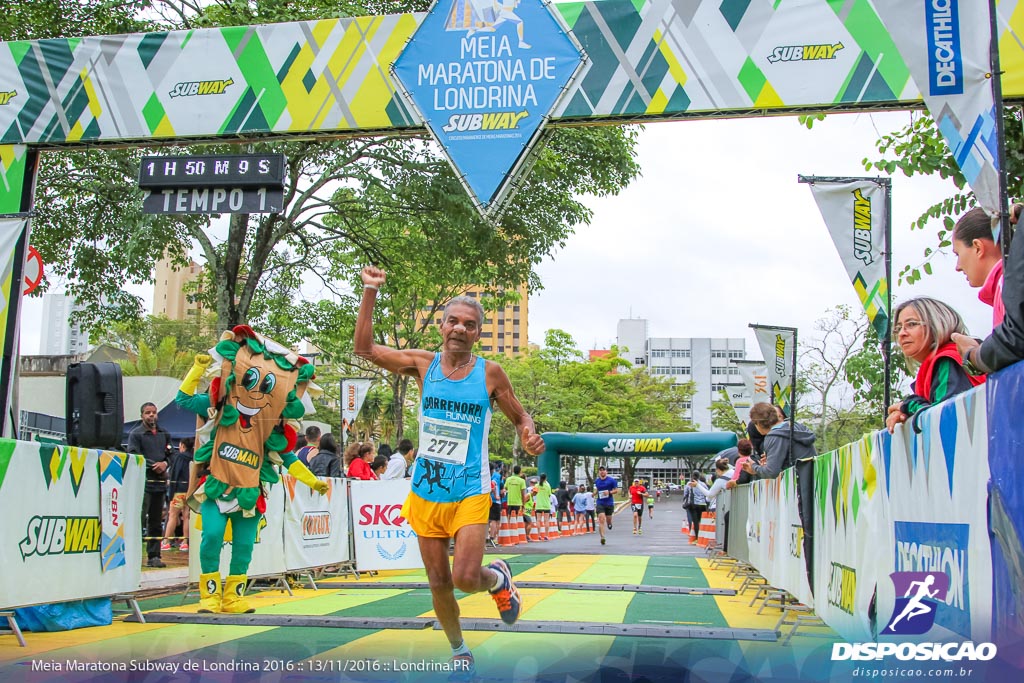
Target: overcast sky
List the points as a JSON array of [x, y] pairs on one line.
[[718, 233]]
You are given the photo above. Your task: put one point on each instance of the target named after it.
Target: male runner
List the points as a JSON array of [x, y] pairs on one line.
[[457, 389], [605, 488]]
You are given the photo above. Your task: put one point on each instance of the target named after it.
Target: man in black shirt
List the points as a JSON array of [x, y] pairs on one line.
[[154, 443]]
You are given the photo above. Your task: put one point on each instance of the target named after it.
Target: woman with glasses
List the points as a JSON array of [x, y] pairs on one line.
[[922, 330]]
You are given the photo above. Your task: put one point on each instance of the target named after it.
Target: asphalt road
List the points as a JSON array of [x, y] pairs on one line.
[[661, 535]]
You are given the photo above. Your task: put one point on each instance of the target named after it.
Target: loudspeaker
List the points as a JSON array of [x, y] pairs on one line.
[[95, 405]]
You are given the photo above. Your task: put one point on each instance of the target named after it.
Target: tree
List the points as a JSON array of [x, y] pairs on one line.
[[353, 199], [842, 371], [919, 149], [723, 416], [566, 393], [165, 360]]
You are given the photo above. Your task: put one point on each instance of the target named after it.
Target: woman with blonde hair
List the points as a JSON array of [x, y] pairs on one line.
[[923, 330]]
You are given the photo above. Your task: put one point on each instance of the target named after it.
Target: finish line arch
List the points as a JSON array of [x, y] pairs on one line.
[[620, 445], [648, 61]]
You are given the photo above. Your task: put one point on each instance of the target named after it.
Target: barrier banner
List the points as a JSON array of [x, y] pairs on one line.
[[316, 527], [775, 543], [268, 552], [854, 213], [778, 346], [383, 539], [1005, 396], [51, 536], [946, 47], [852, 548], [739, 514], [936, 492]]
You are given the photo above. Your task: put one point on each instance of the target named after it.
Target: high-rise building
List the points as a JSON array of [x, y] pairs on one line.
[[169, 297], [505, 330], [702, 360], [61, 337]]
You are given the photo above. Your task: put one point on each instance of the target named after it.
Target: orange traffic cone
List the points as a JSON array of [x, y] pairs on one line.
[[505, 530], [534, 534], [520, 529], [552, 528]]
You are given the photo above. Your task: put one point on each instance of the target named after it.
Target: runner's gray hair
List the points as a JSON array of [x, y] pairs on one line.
[[466, 301]]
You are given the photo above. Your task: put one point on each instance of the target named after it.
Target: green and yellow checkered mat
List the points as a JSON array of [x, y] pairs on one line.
[[300, 653]]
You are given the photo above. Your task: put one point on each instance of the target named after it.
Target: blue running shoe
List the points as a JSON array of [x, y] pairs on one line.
[[463, 667], [507, 596]]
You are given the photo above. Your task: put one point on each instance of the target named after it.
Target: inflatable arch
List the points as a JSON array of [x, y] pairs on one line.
[[627, 445]]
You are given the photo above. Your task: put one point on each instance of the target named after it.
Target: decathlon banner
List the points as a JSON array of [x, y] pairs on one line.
[[945, 45], [383, 539], [937, 495], [316, 527], [852, 548], [353, 394], [778, 346], [267, 553], [52, 538], [855, 214]]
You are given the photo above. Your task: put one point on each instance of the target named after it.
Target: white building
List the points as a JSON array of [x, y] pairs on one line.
[[59, 336], [702, 360]]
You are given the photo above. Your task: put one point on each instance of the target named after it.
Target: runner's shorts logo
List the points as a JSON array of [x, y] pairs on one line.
[[918, 595]]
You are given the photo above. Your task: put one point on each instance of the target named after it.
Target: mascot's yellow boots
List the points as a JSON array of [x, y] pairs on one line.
[[234, 601], [209, 592]]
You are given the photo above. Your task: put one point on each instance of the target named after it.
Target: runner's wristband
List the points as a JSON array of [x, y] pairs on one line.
[[373, 287]]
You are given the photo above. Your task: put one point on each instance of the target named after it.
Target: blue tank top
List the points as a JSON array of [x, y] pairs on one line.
[[455, 420]]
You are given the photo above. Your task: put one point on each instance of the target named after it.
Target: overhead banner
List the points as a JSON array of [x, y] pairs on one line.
[[854, 213], [484, 77], [316, 528], [648, 59], [778, 346], [55, 515], [755, 382], [353, 394], [946, 47], [383, 538]]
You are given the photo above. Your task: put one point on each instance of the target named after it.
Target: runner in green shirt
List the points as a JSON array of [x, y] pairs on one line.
[[542, 500], [514, 487]]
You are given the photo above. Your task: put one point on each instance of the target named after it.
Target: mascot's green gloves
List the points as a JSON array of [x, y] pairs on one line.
[[302, 473], [190, 384]]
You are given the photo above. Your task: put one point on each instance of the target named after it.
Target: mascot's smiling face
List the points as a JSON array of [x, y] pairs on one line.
[[259, 392]]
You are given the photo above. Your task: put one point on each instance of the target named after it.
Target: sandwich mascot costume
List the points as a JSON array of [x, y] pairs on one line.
[[259, 388]]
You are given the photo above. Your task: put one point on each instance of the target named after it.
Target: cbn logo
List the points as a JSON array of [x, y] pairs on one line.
[[804, 53], [6, 97], [498, 120], [60, 536], [192, 88]]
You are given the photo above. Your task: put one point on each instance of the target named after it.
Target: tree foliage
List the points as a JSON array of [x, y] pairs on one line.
[[388, 200], [919, 149], [842, 370]]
